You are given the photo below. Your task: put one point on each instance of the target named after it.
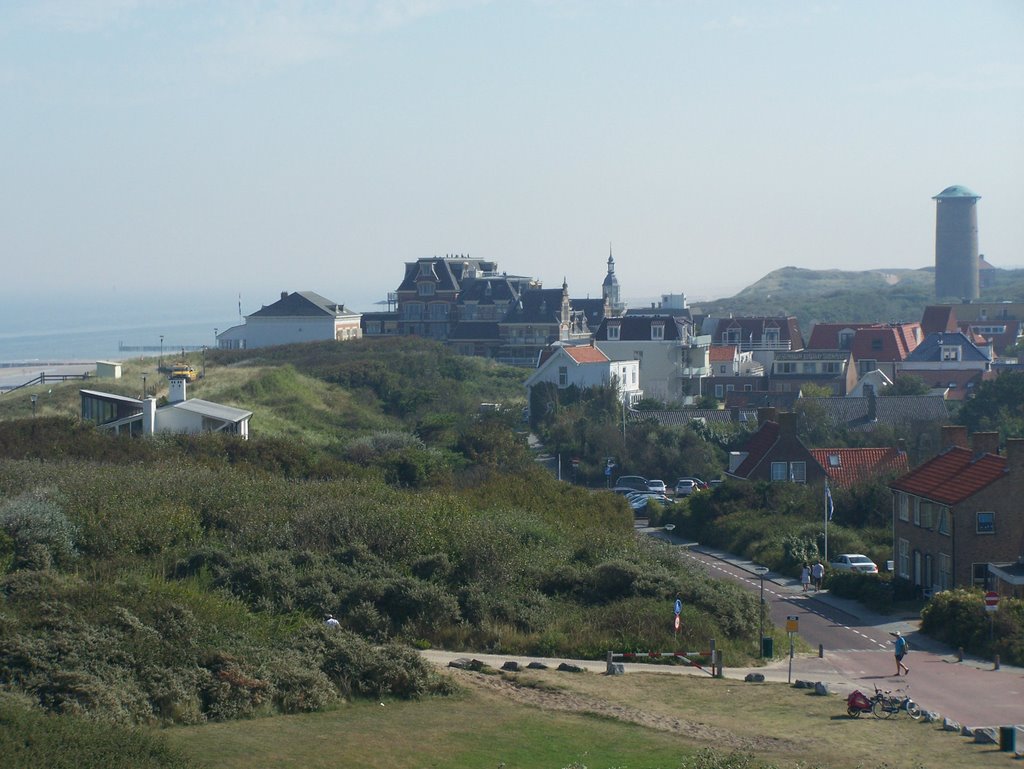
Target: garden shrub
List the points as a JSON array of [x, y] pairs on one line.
[[40, 533]]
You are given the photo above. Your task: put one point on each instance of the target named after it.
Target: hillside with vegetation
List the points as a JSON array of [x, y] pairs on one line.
[[830, 296], [184, 579]]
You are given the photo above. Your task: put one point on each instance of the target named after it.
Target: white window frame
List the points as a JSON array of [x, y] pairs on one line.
[[563, 376], [614, 330], [986, 528], [903, 505], [917, 511], [903, 558], [780, 471], [798, 472], [945, 571], [657, 332], [944, 521]]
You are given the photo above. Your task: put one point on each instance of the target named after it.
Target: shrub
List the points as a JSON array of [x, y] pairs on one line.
[[40, 534]]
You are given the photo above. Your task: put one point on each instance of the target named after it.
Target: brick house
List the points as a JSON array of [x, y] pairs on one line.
[[959, 512], [775, 453]]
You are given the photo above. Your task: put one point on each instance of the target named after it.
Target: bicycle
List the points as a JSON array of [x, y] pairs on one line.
[[886, 704]]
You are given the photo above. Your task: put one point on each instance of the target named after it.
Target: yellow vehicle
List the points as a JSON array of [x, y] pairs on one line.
[[184, 371]]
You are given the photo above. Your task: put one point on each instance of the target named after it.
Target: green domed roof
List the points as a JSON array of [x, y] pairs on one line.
[[956, 191]]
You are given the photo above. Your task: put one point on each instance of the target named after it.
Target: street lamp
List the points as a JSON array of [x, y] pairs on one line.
[[144, 375], [761, 571], [161, 366], [34, 398]]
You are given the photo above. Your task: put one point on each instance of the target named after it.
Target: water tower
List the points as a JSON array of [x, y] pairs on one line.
[[956, 244]]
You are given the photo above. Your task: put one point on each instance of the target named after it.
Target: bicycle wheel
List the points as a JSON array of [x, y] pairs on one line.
[[852, 712], [913, 710], [881, 708]]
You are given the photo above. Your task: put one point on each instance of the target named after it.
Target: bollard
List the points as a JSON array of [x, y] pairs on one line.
[[821, 651], [719, 672], [960, 654], [608, 663], [996, 660]]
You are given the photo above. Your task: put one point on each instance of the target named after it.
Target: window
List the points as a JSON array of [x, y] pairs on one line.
[[722, 369], [613, 332], [917, 511], [979, 575], [780, 471], [413, 311], [657, 331], [830, 367], [426, 269], [771, 336], [876, 344], [425, 289], [798, 472], [748, 388], [945, 572], [903, 566], [951, 352], [373, 327], [866, 365], [786, 367], [719, 392], [729, 388], [927, 510], [810, 368], [944, 520], [563, 376], [438, 310], [986, 523], [845, 338], [903, 504]]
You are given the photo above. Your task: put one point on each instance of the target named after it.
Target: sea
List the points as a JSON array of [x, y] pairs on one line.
[[72, 332]]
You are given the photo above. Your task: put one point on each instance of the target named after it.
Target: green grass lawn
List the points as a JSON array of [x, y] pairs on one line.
[[631, 722]]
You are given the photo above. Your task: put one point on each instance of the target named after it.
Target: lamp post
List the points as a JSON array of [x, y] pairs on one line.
[[34, 398], [144, 375], [761, 571], [204, 361], [161, 366]]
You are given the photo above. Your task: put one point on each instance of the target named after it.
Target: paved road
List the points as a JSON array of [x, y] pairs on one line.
[[857, 649]]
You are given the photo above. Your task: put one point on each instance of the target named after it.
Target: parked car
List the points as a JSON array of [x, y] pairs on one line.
[[657, 486], [854, 562], [640, 500], [637, 482], [685, 487]]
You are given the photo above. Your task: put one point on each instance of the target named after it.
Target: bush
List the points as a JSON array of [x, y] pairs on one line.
[[39, 533]]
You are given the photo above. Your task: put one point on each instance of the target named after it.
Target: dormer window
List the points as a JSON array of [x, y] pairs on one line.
[[425, 289], [657, 331], [951, 352], [845, 339], [613, 332]]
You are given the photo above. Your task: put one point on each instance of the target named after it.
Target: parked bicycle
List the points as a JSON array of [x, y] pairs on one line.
[[892, 703]]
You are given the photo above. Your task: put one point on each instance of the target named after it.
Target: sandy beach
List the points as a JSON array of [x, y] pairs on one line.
[[14, 376]]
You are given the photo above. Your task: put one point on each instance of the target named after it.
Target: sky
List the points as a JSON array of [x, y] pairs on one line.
[[193, 152]]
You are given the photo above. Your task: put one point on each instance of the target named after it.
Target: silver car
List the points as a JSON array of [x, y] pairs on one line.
[[854, 562]]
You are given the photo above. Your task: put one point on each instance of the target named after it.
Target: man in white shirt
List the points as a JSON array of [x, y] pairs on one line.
[[331, 622]]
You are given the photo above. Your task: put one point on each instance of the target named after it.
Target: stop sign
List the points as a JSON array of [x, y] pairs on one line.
[[991, 601]]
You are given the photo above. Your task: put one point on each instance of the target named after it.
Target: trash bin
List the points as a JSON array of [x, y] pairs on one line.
[[767, 647], [1008, 739]]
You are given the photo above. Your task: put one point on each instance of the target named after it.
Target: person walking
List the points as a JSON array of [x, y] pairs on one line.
[[331, 622], [901, 652], [805, 576], [817, 574]]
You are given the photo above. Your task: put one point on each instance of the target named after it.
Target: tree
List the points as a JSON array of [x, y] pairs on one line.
[[997, 405], [906, 384]]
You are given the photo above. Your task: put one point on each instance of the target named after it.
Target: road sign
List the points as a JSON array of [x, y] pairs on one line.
[[678, 623], [679, 606], [792, 624], [991, 601]]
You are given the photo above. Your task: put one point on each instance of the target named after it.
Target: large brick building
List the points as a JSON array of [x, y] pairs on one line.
[[959, 512]]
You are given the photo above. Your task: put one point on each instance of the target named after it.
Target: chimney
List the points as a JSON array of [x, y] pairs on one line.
[[176, 390], [149, 416], [766, 414], [284, 294], [985, 443], [787, 423], [1015, 455], [954, 435]]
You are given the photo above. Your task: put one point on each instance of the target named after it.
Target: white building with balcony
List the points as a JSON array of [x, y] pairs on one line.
[[674, 363], [583, 366]]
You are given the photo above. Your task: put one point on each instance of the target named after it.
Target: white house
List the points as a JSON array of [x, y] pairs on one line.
[[180, 415], [302, 316], [673, 361], [586, 366]]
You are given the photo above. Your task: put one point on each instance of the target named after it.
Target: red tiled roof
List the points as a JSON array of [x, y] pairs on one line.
[[725, 353], [846, 467], [952, 476], [586, 354]]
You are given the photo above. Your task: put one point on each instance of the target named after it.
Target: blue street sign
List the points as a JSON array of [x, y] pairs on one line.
[[679, 606]]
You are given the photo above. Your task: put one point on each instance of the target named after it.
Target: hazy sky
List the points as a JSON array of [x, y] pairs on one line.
[[180, 149]]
